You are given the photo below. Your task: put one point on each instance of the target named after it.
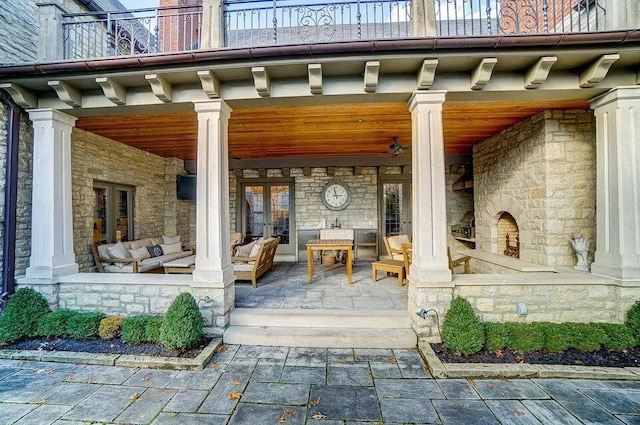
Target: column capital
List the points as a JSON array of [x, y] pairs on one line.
[[214, 105], [48, 114], [430, 97], [618, 93]]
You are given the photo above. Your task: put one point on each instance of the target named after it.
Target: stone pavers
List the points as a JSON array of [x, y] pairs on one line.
[[302, 386]]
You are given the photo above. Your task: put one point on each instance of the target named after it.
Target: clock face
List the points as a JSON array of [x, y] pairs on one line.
[[336, 196]]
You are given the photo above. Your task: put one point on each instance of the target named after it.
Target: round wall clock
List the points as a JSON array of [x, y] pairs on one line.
[[336, 195]]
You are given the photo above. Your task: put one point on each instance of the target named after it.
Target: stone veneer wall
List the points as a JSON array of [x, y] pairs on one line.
[[458, 203], [542, 171], [156, 208]]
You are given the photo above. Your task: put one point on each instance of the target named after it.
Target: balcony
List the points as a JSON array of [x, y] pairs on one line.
[[248, 23]]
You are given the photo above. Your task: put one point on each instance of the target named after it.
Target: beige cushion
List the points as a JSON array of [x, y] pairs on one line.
[[171, 248], [140, 243], [395, 242], [170, 240], [103, 250], [256, 249], [119, 251], [243, 267], [156, 241], [140, 253], [245, 250], [235, 238]]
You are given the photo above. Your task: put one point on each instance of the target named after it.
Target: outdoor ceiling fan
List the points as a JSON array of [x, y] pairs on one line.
[[396, 148]]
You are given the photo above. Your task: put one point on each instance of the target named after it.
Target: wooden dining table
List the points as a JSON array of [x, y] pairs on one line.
[[326, 244]]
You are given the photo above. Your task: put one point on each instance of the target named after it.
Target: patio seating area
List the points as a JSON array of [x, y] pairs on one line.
[[287, 287]]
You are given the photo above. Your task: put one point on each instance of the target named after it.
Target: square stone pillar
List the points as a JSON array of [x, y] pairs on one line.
[[423, 18], [52, 254], [51, 32], [213, 250], [618, 181], [212, 24], [429, 201]]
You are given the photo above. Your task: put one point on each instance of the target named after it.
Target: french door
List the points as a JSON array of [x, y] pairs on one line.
[[112, 212], [394, 208], [267, 212]]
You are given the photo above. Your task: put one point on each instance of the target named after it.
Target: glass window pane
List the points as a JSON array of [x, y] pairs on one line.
[[254, 197], [280, 213], [122, 215], [100, 215], [392, 201]]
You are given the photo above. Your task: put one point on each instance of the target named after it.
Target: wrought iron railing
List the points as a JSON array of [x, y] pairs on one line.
[[250, 23], [152, 30]]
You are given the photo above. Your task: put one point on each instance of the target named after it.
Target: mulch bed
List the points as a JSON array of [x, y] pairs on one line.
[[104, 346], [624, 358]]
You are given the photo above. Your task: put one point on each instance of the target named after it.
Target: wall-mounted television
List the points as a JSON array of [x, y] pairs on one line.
[[186, 187]]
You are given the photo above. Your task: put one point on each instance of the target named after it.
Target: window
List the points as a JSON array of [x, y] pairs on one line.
[[112, 212]]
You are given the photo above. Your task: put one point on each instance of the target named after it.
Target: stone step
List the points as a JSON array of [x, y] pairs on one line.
[[307, 318], [320, 337]]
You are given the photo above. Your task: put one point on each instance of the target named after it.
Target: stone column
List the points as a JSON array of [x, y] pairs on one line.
[[51, 33], [618, 179], [212, 24], [52, 254], [423, 18]]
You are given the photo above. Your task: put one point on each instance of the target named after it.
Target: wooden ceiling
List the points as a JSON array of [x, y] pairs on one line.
[[352, 129]]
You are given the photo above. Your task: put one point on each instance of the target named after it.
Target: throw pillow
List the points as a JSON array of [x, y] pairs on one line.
[[245, 250], [171, 248], [256, 248], [171, 240], [395, 242], [118, 251], [154, 251], [140, 253]]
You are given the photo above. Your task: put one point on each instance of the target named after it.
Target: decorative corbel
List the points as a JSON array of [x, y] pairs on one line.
[[160, 87], [113, 91], [597, 71], [427, 74], [261, 80], [538, 73], [20, 95], [482, 74], [67, 93], [315, 78], [371, 73], [210, 84]]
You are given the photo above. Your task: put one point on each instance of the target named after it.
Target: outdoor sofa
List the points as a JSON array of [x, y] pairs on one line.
[[254, 259]]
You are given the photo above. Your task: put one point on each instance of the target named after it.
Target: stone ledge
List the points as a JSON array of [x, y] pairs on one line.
[[144, 362], [522, 370], [505, 261]]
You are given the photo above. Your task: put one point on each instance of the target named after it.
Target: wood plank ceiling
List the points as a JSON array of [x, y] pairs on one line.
[[352, 129]]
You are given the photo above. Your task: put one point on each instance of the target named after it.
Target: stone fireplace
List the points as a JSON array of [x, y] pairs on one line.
[[508, 236]]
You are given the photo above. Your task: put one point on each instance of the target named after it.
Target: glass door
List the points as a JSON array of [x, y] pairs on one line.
[[395, 209], [112, 212], [123, 214], [266, 212]]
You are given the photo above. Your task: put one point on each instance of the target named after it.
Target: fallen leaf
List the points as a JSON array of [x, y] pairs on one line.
[[503, 379], [425, 369], [494, 386], [471, 382], [578, 362], [343, 361], [282, 419], [237, 382], [49, 371], [134, 396], [318, 416], [413, 350], [91, 380], [518, 412], [499, 354], [235, 395], [213, 365], [637, 409], [393, 359], [368, 373], [315, 402], [145, 378], [43, 401], [288, 412], [69, 378], [221, 348], [520, 359]]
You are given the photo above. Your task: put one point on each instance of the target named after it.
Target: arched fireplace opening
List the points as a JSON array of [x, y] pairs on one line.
[[508, 236]]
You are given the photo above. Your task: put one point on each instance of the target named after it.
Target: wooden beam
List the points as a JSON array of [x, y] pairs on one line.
[[306, 171], [67, 93], [262, 172], [286, 172], [597, 71], [319, 162], [331, 171], [261, 80], [482, 74], [539, 72], [315, 78], [113, 91], [210, 84], [20, 95], [160, 87], [371, 73], [427, 74], [357, 170]]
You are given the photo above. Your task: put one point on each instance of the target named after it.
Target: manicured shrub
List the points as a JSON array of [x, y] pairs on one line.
[[525, 337], [133, 329], [556, 336], [496, 336], [20, 318], [182, 324], [54, 324], [633, 320], [586, 336], [84, 325], [110, 327], [619, 336], [462, 331], [152, 329]]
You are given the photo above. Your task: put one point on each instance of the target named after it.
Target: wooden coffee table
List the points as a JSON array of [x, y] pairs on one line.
[[181, 265], [335, 244]]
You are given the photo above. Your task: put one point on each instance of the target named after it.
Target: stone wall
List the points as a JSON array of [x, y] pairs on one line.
[[156, 209], [541, 171], [19, 24], [458, 203]]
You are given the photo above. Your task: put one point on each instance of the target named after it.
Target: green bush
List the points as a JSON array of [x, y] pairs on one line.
[[586, 336], [152, 329], [84, 325], [133, 329], [556, 336], [20, 318], [525, 337], [619, 336], [496, 336], [54, 324], [110, 327], [633, 320], [183, 323], [462, 331]]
